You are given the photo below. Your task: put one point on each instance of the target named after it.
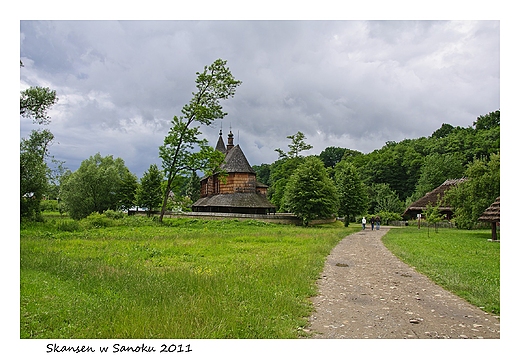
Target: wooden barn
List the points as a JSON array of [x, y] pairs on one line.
[[433, 198], [240, 192], [492, 215]]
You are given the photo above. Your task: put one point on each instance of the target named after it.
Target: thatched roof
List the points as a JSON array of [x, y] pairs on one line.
[[492, 213], [235, 200], [434, 198]]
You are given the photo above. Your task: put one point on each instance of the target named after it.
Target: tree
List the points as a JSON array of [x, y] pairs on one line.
[[149, 192], [310, 194], [128, 190], [487, 122], [33, 172], [296, 146], [34, 150], [331, 156], [35, 102], [351, 191], [384, 199], [284, 167], [433, 216], [214, 84], [435, 170], [470, 198], [96, 186]]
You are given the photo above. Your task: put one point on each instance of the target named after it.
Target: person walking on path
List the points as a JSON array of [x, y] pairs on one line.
[[372, 221], [364, 222], [367, 292], [378, 223]]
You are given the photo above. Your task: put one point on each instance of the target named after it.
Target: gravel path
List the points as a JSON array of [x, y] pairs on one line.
[[366, 292]]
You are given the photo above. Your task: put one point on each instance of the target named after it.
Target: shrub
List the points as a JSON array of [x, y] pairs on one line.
[[114, 214], [49, 205], [96, 220], [68, 225]]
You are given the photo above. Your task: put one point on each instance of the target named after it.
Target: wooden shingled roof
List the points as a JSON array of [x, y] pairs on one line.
[[492, 213], [236, 161], [434, 197]]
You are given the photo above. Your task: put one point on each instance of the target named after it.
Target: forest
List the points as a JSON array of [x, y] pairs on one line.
[[399, 173]]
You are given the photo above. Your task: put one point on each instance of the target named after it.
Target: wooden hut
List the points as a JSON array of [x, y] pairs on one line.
[[492, 215], [240, 192], [434, 198]]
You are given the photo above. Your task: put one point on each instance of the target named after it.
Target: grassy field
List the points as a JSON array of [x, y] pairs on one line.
[[463, 262], [133, 278]]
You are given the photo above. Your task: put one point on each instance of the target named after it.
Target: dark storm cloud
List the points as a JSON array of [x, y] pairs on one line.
[[354, 84]]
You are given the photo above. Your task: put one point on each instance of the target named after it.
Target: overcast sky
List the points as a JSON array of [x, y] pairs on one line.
[[352, 84]]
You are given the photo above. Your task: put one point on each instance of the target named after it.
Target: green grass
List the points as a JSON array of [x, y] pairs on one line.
[[134, 278], [461, 261]]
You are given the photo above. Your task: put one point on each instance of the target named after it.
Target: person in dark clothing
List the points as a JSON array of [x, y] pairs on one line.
[[372, 221]]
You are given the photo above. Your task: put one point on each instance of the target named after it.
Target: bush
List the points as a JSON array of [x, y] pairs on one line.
[[386, 217], [96, 220], [114, 214], [49, 205]]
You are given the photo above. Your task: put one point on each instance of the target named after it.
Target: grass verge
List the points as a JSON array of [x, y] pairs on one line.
[[461, 261]]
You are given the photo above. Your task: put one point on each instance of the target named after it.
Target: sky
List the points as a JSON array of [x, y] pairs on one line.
[[348, 83]]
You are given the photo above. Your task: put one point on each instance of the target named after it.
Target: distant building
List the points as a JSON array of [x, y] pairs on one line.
[[434, 198], [492, 215], [240, 192]]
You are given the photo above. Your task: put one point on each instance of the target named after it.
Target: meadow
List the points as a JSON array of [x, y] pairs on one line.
[[463, 262], [132, 277], [186, 278]]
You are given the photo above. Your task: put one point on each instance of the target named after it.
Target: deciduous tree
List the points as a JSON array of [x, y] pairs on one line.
[[149, 192], [183, 151], [310, 194], [352, 192], [470, 198], [96, 186]]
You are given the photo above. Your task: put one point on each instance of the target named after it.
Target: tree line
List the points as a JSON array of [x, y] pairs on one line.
[[338, 181], [386, 181]]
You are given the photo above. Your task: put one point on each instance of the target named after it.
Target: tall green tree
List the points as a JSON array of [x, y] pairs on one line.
[[352, 193], [470, 198], [488, 121], [34, 150], [33, 172], [296, 146], [35, 102], [128, 190], [331, 156], [310, 193], [284, 167], [384, 199], [436, 169], [96, 186], [149, 191], [178, 153]]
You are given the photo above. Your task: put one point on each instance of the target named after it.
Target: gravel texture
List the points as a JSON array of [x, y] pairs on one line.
[[366, 292]]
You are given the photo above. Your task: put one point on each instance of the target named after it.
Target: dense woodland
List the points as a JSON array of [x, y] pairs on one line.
[[402, 172]]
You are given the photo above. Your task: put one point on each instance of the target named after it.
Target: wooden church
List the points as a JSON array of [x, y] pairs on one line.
[[240, 192]]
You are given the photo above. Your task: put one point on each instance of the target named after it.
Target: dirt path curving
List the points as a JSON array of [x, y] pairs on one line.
[[366, 292]]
